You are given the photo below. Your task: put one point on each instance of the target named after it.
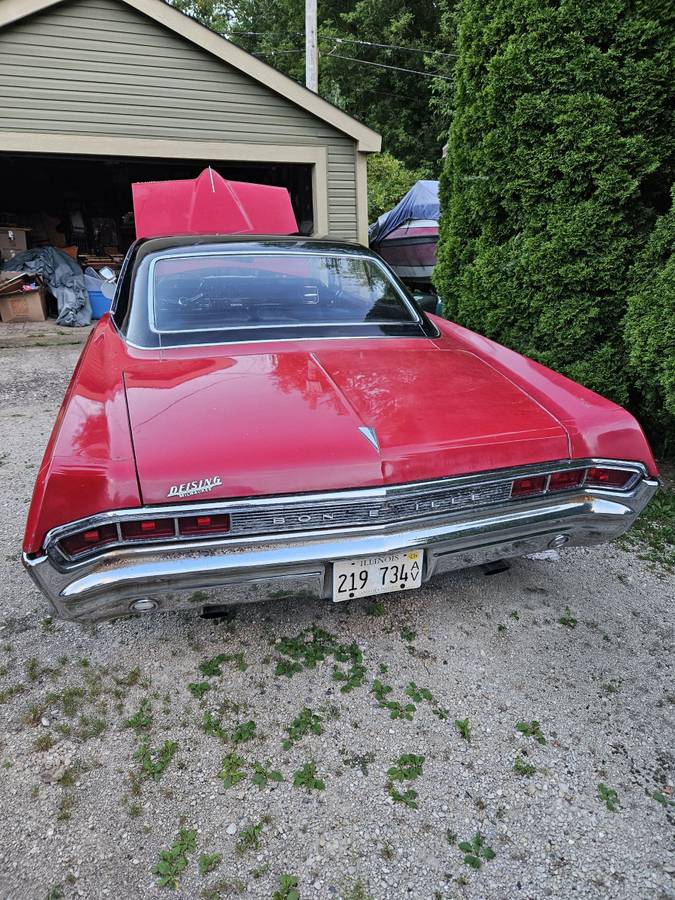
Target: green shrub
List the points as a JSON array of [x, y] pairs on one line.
[[559, 162], [650, 326], [388, 182]]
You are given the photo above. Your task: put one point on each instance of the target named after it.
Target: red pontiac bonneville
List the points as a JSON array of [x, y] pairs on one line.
[[275, 417]]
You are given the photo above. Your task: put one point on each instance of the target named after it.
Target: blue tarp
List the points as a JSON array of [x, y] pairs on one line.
[[421, 202]]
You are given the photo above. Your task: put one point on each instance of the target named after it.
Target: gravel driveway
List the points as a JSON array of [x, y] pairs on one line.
[[529, 714]]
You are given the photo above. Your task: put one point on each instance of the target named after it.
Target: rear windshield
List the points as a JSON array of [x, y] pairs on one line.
[[234, 292]]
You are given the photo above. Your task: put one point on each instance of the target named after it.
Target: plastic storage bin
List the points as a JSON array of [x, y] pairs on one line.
[[99, 304]]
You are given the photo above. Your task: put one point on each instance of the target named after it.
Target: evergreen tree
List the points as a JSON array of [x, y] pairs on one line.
[[560, 160]]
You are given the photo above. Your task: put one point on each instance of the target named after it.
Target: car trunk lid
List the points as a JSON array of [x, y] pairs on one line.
[[301, 421]]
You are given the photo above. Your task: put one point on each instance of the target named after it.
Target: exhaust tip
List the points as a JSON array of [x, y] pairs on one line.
[[558, 541], [144, 604]]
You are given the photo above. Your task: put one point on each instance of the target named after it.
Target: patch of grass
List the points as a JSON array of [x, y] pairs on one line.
[[464, 728], [249, 839], [141, 720], [263, 774], [356, 891], [287, 889], [208, 862], [609, 797], [514, 615], [43, 742], [231, 772], [568, 619], [613, 686], [531, 729], [90, 727], [307, 722], [408, 767], [376, 608], [476, 851], [154, 763], [33, 670], [244, 732], [10, 692], [199, 688], [173, 862], [130, 679], [520, 767], [66, 805], [653, 534], [71, 699], [662, 799], [408, 634], [306, 777]]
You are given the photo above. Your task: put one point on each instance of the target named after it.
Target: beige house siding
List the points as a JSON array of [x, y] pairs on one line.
[[101, 68]]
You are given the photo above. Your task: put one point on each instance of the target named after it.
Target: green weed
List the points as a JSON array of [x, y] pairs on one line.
[[263, 774], [231, 772], [609, 797], [306, 777], [173, 862], [476, 851], [531, 729], [154, 763], [568, 619], [141, 719], [208, 862], [464, 728], [307, 722], [288, 888]]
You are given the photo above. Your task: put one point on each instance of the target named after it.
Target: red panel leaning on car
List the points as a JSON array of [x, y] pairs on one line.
[[263, 417]]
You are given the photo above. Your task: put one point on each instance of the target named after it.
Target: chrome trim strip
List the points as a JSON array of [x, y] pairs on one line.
[[336, 499]]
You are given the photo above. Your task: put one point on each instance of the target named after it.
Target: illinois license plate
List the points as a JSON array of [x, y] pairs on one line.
[[377, 575]]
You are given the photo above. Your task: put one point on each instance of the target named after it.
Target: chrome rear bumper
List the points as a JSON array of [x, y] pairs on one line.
[[299, 565]]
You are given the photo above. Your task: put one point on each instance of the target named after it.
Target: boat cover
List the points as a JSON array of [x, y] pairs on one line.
[[421, 202], [209, 204]]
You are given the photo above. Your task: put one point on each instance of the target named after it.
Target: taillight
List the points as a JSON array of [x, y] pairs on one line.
[[569, 478], [148, 528], [609, 478], [205, 524], [89, 539], [525, 487]]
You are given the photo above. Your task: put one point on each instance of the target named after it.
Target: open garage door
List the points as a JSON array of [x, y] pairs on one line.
[[85, 202]]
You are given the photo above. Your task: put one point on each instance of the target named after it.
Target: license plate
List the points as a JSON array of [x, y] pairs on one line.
[[377, 575]]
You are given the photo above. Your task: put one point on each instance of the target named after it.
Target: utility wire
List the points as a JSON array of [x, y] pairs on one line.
[[341, 40], [367, 62]]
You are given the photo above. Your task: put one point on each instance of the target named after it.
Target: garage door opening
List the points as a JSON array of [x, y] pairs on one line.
[[85, 202]]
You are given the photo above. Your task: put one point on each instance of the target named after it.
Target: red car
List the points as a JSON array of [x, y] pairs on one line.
[[276, 418]]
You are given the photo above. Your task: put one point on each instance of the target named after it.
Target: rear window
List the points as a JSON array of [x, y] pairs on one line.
[[233, 292]]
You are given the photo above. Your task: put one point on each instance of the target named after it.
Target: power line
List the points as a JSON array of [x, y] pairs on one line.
[[342, 40], [367, 62]]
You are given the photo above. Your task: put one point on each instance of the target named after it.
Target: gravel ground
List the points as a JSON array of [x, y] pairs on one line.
[[84, 814]]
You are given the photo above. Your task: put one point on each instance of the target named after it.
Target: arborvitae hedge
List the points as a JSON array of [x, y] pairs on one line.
[[560, 162], [650, 324]]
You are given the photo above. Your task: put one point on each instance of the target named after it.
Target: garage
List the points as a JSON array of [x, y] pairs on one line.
[[98, 94]]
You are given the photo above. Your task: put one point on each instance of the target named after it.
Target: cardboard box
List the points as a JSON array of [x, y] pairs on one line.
[[13, 239], [23, 298]]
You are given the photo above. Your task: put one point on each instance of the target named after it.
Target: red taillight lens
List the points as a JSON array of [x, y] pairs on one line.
[[206, 524], [89, 539], [609, 478], [562, 481], [524, 487], [147, 528]]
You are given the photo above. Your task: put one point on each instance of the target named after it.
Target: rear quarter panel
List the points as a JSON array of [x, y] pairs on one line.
[[88, 466], [597, 427]]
